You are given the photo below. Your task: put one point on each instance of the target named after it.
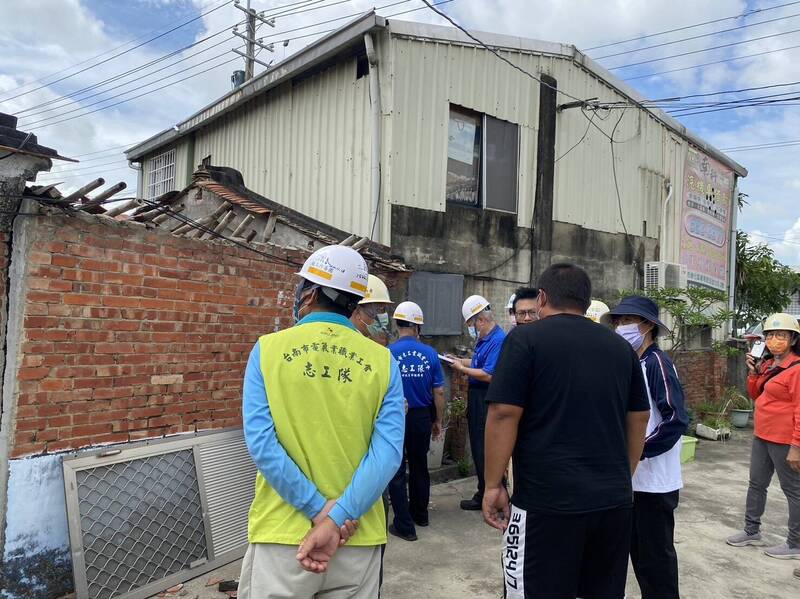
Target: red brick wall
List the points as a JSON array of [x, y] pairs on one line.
[[131, 333], [702, 374]]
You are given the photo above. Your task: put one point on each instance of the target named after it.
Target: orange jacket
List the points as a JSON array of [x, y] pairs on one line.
[[777, 414]]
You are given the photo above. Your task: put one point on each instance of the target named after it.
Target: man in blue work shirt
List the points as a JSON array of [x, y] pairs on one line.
[[423, 385], [322, 462], [489, 341]]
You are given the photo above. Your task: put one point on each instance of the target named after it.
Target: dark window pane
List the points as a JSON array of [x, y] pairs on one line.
[[440, 297], [502, 151], [463, 157]]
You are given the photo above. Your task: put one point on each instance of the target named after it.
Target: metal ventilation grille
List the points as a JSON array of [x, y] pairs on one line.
[[228, 481], [141, 521]]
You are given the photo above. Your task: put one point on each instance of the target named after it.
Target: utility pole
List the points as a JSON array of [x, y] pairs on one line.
[[249, 55], [250, 61]]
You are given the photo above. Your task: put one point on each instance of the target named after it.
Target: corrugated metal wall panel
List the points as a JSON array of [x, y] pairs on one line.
[[305, 146], [427, 78], [585, 193]]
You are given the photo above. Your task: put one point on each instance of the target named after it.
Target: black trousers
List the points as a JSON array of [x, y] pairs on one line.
[[410, 496], [564, 556], [653, 555], [476, 426]]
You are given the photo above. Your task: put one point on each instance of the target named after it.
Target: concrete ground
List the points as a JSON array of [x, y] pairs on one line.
[[459, 556]]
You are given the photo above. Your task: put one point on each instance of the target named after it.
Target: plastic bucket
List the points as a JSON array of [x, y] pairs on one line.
[[688, 447], [436, 451]]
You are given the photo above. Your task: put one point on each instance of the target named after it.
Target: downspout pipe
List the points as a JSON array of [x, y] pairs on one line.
[[662, 252], [732, 256], [375, 165]]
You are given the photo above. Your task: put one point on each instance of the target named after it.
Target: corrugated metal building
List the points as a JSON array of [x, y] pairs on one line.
[[479, 170]]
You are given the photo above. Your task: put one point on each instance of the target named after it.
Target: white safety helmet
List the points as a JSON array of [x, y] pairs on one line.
[[473, 305], [337, 267], [410, 312], [597, 310], [510, 304], [781, 322], [377, 292]]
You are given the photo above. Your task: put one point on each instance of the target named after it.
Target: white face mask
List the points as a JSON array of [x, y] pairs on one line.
[[512, 320], [473, 332], [631, 334]]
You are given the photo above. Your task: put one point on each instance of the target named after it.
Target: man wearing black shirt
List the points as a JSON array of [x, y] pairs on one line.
[[569, 399]]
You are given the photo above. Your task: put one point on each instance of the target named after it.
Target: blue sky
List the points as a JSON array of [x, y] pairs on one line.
[[40, 37]]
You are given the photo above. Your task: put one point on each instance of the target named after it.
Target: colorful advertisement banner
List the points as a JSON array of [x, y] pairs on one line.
[[705, 220]]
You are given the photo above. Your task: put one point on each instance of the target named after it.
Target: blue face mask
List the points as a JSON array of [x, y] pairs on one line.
[[631, 334], [473, 332], [383, 319], [375, 329]]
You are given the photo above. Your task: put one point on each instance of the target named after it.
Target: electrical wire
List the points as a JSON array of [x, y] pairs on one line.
[[696, 37], [152, 39], [121, 94], [708, 64], [206, 70], [729, 45], [497, 54], [56, 122], [91, 58], [746, 14], [765, 145], [583, 137]]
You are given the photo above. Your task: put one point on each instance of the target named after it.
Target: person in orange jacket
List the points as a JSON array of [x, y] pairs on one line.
[[774, 384]]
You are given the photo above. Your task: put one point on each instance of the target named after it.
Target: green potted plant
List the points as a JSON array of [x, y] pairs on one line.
[[741, 408], [715, 426]]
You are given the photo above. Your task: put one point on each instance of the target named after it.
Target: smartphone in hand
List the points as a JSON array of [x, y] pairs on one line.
[[757, 351]]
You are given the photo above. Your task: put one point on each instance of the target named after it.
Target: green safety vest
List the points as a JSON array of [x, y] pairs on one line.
[[325, 384]]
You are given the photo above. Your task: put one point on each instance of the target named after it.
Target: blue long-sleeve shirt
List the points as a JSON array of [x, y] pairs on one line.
[[281, 472], [667, 395]]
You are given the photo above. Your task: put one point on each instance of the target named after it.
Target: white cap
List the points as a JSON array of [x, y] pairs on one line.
[[377, 292], [410, 312], [472, 305], [596, 310], [510, 304], [338, 267]]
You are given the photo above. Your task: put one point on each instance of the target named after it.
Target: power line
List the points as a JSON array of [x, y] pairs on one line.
[[788, 142], [708, 64], [101, 54], [496, 53], [152, 39], [743, 105], [121, 94], [91, 166], [206, 70], [697, 37], [72, 97], [748, 13], [77, 116], [729, 45]]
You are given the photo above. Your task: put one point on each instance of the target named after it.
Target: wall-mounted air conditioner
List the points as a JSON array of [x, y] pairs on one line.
[[660, 275]]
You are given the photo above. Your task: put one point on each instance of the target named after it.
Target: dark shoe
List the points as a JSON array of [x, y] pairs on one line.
[[422, 523], [395, 532], [472, 505]]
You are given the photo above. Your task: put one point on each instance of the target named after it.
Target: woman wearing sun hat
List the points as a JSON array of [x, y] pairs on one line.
[[774, 385]]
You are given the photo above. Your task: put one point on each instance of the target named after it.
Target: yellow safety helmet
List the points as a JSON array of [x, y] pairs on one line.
[[597, 310], [377, 292], [780, 321]]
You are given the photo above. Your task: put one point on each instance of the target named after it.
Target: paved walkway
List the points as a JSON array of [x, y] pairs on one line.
[[459, 557]]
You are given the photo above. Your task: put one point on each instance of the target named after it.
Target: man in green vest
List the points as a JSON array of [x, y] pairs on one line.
[[324, 424]]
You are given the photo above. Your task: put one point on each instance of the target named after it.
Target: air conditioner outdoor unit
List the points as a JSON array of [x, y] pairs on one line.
[[660, 275]]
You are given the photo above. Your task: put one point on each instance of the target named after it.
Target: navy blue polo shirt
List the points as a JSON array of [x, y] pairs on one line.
[[487, 352], [420, 370]]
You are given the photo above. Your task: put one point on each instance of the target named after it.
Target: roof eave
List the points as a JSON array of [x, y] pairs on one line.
[[312, 55]]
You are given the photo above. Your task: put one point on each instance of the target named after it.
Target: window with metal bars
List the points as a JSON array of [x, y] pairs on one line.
[[161, 174]]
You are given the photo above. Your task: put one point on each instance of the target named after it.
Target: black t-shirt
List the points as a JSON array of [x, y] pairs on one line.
[[575, 380]]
